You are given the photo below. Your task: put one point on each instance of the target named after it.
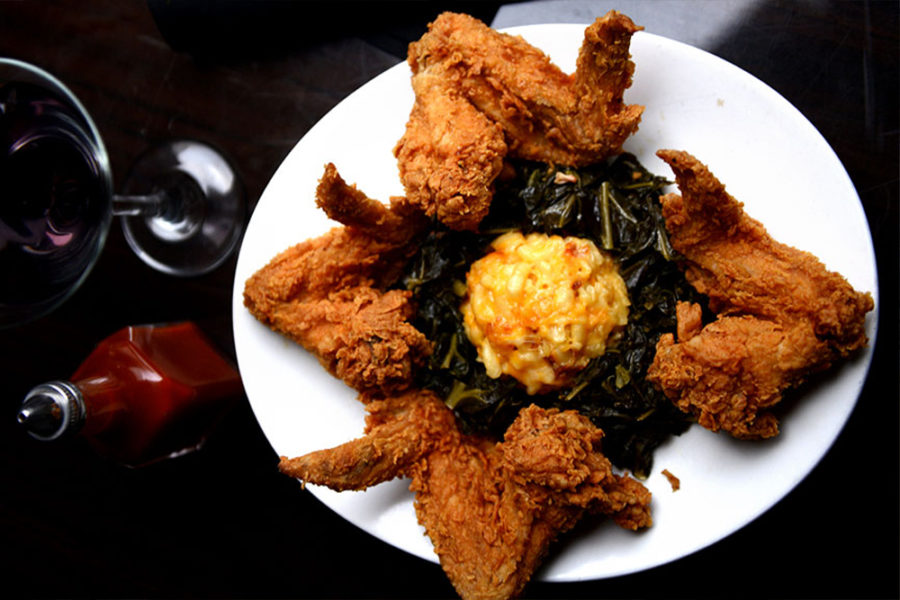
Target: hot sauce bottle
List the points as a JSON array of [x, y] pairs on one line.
[[146, 393]]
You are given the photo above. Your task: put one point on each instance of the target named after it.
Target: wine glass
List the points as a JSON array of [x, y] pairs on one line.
[[182, 205]]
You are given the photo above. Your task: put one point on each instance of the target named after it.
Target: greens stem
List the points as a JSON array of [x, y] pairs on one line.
[[606, 237]]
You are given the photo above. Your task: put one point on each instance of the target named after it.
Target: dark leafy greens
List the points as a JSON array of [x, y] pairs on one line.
[[616, 205]]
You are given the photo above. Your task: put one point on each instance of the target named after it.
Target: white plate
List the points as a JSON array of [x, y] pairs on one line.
[[768, 155]]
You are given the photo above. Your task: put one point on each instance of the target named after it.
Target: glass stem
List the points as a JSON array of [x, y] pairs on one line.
[[150, 205]]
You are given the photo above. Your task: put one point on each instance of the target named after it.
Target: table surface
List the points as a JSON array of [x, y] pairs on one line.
[[251, 79]]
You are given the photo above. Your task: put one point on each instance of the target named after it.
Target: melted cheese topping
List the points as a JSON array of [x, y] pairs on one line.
[[539, 308]]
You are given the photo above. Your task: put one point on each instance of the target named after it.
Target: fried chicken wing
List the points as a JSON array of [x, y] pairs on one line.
[[733, 260], [450, 154], [482, 95], [493, 509], [731, 372], [781, 314], [490, 509], [488, 531], [396, 225], [561, 451], [328, 293], [399, 431]]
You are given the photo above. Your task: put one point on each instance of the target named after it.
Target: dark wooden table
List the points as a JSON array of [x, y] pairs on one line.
[[251, 79]]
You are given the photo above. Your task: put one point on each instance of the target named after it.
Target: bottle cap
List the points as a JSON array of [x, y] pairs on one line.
[[51, 410]]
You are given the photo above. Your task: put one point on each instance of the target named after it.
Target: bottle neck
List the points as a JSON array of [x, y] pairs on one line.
[[52, 409]]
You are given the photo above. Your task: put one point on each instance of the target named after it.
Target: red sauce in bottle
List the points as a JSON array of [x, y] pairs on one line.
[[153, 392]]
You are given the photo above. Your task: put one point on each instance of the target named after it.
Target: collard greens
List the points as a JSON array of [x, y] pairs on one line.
[[616, 205]]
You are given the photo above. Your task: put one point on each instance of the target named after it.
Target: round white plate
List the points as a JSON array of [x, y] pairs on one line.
[[769, 157]]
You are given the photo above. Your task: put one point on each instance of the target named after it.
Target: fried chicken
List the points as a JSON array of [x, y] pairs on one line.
[[491, 509], [450, 154], [781, 314], [482, 95], [329, 293], [399, 431]]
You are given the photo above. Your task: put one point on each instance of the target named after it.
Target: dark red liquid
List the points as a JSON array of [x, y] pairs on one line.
[[152, 392], [54, 196]]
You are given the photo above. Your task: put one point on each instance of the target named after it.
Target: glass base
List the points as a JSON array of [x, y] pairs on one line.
[[196, 218]]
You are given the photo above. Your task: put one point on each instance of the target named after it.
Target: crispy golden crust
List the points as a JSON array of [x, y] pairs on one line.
[[735, 369], [492, 510], [482, 95], [328, 293], [394, 225], [733, 260], [399, 431], [450, 154], [782, 314]]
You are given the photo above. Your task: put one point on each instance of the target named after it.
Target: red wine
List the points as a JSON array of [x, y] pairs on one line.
[[54, 198]]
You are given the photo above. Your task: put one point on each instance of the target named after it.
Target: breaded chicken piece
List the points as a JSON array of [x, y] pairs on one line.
[[561, 451], [490, 509], [482, 95], [547, 115], [394, 225], [731, 372], [399, 431], [732, 260], [328, 293], [450, 154], [361, 335], [781, 314]]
